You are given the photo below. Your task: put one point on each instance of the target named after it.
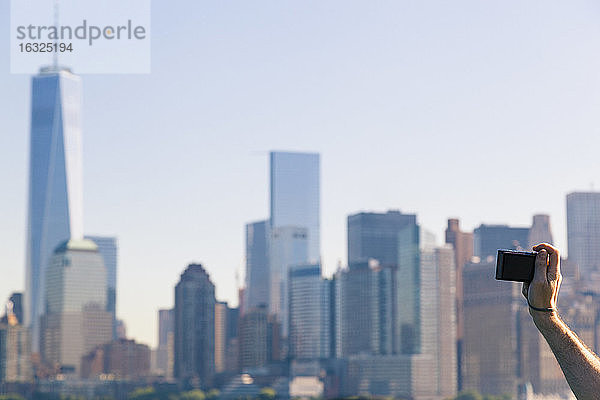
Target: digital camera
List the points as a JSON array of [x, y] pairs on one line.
[[516, 266]]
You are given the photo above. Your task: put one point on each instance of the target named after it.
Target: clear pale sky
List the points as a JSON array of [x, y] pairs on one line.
[[486, 111]]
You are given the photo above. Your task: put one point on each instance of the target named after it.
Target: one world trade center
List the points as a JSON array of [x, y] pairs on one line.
[[55, 210]]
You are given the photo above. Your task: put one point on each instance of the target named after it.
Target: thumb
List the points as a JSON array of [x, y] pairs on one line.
[[541, 265]]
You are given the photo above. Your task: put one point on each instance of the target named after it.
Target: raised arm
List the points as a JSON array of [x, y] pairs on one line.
[[579, 364]]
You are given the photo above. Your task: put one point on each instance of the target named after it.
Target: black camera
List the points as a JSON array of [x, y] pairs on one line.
[[517, 266]]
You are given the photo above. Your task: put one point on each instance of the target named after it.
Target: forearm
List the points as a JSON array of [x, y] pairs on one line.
[[579, 364]]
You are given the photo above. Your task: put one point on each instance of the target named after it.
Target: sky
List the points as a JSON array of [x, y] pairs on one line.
[[485, 111]]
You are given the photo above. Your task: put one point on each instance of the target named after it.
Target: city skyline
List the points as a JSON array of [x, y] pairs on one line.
[[404, 122]]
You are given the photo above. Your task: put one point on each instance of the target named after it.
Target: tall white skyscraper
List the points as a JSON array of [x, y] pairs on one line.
[[294, 236], [583, 230], [295, 196], [309, 313], [438, 317], [75, 319], [55, 210]]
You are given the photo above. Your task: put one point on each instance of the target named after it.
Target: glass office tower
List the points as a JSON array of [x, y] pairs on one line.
[[375, 236], [295, 196], [75, 319], [583, 230], [289, 247], [487, 239], [257, 264], [294, 237], [55, 210], [392, 239], [309, 313], [107, 247]]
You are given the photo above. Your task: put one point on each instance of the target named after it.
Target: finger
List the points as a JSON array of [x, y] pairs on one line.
[[546, 246], [541, 264], [553, 266]]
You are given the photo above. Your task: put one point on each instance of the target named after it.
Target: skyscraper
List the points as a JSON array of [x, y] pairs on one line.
[[195, 327], [15, 357], [407, 292], [226, 333], [462, 242], [258, 338], [583, 230], [107, 246], [257, 264], [392, 239], [294, 236], [375, 236], [540, 231], [364, 310], [490, 361], [438, 316], [164, 350], [295, 196], [487, 239], [309, 313], [289, 247], [254, 338], [75, 319], [55, 210]]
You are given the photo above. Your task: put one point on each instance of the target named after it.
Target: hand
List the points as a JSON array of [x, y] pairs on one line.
[[542, 291]]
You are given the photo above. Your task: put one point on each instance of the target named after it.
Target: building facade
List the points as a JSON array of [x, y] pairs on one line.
[[120, 359], [288, 247], [462, 243], [583, 231], [438, 318], [364, 310], [166, 344], [257, 264], [487, 239], [490, 363], [55, 210], [220, 336], [296, 196], [540, 231], [194, 362], [309, 313], [75, 319], [226, 333], [107, 247], [294, 230], [15, 356], [391, 241], [375, 236], [406, 293], [253, 338]]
